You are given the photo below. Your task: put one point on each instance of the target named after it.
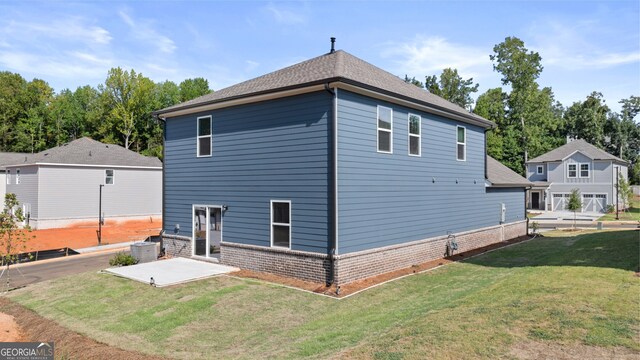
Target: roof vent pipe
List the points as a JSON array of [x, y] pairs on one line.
[[333, 45]]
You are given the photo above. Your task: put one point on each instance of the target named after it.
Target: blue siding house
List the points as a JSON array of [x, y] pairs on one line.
[[332, 170]]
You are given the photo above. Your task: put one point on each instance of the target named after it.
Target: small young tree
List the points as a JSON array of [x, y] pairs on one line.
[[13, 239], [574, 204], [624, 191]]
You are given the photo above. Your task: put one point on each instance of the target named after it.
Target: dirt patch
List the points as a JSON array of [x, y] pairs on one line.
[[9, 329], [68, 344], [83, 234], [359, 285], [535, 350]]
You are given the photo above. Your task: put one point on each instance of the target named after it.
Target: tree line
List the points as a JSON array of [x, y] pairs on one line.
[[34, 118], [529, 121]]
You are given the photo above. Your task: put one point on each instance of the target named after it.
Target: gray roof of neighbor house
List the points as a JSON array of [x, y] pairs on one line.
[[86, 151], [8, 158], [558, 154], [336, 66], [501, 176]]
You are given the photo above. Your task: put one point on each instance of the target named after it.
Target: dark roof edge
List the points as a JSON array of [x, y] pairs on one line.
[[523, 185], [476, 120], [623, 162]]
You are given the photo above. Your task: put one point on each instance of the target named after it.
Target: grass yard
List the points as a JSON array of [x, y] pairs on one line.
[[573, 296], [632, 213]]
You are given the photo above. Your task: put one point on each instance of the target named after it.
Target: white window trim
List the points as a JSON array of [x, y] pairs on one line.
[[8, 174], [390, 131], [588, 171], [419, 135], [461, 143], [113, 177], [210, 136], [271, 223], [569, 169], [193, 230], [539, 169], [17, 176]]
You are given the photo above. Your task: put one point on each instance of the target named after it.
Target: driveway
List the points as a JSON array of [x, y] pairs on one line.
[[568, 215]]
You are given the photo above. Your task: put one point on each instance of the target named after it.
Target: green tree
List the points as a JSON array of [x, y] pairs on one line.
[[533, 116], [32, 135], [492, 105], [12, 100], [193, 88], [574, 204], [586, 120], [413, 81], [13, 238], [625, 193], [452, 87]]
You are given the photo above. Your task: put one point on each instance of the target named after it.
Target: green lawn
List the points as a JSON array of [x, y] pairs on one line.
[[568, 292], [632, 214]]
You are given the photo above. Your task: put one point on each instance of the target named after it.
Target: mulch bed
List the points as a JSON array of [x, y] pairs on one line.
[[353, 287], [67, 344]]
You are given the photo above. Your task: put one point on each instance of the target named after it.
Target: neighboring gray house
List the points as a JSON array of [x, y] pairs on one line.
[[7, 158], [60, 186], [575, 165], [332, 170]]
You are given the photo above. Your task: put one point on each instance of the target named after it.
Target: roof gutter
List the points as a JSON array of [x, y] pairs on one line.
[[164, 159]]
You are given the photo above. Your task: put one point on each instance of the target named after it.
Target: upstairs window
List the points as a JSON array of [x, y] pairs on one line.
[[385, 130], [572, 170], [18, 177], [461, 143], [204, 136], [584, 170], [108, 177], [281, 223], [414, 135], [8, 177], [539, 169]]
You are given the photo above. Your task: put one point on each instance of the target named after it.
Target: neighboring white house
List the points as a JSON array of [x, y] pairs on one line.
[[7, 158], [61, 186], [575, 165]]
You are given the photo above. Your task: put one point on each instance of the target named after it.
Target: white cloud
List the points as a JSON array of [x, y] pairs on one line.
[[430, 55], [59, 67], [144, 31], [251, 65], [578, 46], [285, 16], [69, 29]]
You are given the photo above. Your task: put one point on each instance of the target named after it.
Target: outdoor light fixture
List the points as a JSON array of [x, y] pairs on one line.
[[224, 207], [176, 229]]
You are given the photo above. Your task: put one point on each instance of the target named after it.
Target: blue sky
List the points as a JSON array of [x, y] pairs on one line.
[[585, 46]]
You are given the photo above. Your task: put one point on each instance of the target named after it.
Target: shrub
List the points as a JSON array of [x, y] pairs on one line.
[[122, 259], [611, 208]]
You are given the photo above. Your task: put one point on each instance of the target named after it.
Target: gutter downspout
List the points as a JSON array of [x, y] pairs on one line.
[[485, 153], [164, 159], [333, 238], [525, 206]]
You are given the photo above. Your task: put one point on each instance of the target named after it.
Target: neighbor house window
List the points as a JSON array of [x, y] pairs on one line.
[[8, 177], [414, 135], [281, 223], [461, 143], [572, 170], [385, 129], [17, 176], [108, 177], [584, 170], [539, 169], [204, 136]]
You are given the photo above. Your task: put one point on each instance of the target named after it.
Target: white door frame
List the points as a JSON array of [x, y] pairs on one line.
[[207, 220]]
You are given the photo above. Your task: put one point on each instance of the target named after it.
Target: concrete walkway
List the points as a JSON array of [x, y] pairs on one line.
[[568, 215], [171, 272]]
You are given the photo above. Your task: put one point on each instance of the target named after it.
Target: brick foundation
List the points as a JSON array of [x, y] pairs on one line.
[[349, 267], [176, 245]]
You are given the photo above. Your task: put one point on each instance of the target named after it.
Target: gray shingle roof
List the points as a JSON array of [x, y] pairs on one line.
[[8, 158], [500, 175], [336, 66], [86, 151], [584, 147]]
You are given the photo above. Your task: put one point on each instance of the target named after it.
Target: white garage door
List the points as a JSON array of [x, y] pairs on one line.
[[594, 202], [560, 201]]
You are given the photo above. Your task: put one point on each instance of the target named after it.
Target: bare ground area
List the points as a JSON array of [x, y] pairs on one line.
[[26, 325], [537, 350], [360, 285], [83, 234]]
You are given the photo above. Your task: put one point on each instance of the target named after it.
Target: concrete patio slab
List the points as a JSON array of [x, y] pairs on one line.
[[171, 272]]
